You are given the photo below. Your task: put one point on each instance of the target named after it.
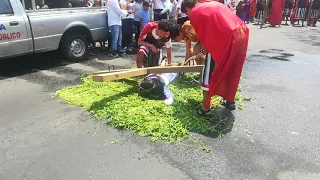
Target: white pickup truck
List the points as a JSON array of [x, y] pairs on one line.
[[70, 29]]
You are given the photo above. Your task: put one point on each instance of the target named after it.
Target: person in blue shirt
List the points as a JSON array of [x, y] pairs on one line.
[[144, 15]]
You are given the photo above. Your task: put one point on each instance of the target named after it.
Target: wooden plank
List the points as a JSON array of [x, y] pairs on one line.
[[175, 69], [112, 71], [127, 73], [119, 75]]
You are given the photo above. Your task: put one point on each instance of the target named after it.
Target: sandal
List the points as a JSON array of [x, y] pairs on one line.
[[202, 112], [229, 105]]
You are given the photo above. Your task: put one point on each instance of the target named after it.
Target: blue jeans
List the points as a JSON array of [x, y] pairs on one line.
[[116, 38]]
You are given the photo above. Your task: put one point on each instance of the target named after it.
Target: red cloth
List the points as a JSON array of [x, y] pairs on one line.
[[276, 12], [225, 37]]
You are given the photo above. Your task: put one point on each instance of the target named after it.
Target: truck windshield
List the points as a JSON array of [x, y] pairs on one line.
[[5, 7]]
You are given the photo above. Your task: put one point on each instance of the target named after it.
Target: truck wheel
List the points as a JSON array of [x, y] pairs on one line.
[[75, 47]]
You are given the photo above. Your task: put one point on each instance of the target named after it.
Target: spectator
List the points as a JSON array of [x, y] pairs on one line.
[[170, 8], [144, 15], [87, 3], [158, 6], [127, 24], [96, 3], [181, 17], [137, 9], [114, 21], [173, 13]]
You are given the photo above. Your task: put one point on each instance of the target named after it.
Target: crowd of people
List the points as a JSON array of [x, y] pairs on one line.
[[276, 11], [127, 18]]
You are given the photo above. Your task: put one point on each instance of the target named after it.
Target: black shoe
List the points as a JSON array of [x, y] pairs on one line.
[[113, 54], [207, 112], [122, 51], [229, 105]]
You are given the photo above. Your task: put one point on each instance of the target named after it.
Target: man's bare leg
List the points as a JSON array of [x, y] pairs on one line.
[[142, 59]]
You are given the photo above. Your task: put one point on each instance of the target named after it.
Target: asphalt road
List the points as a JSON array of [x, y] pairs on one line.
[[275, 137]]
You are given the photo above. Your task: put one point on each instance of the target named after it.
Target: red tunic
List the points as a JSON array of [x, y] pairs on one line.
[[276, 12], [225, 37]]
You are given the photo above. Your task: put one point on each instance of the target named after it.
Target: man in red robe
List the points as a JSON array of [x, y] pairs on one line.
[[276, 12], [225, 37]]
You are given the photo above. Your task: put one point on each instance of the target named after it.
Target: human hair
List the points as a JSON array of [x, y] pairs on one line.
[[163, 25], [174, 29], [145, 3], [187, 4]]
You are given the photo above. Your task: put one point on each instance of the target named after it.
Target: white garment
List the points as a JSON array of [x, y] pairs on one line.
[[138, 9], [179, 6], [232, 4], [114, 13], [129, 8], [169, 7]]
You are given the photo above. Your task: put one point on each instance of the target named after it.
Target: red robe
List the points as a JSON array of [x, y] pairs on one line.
[[225, 36], [276, 12]]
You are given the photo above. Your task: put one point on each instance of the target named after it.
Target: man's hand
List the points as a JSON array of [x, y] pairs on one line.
[[154, 49], [200, 55]]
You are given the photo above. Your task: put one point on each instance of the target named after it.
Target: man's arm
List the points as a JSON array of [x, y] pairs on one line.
[[116, 7], [169, 55], [169, 51]]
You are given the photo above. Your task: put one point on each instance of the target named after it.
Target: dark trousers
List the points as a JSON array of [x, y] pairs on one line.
[[137, 34], [182, 20], [158, 17], [127, 27]]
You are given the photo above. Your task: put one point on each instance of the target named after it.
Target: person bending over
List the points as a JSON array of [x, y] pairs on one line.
[[153, 37]]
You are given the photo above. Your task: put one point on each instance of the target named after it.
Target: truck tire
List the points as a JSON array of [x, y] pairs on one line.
[[75, 47]]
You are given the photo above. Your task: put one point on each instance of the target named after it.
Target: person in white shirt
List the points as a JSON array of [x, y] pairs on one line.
[[127, 24], [170, 9], [114, 21], [137, 9], [158, 6], [181, 17]]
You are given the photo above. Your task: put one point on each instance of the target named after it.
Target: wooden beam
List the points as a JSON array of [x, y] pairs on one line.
[[119, 75], [112, 71], [174, 69], [105, 76]]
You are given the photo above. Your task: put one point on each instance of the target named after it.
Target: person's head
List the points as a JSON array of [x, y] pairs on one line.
[[175, 31], [163, 28], [139, 1], [171, 1], [187, 6], [151, 88], [146, 5]]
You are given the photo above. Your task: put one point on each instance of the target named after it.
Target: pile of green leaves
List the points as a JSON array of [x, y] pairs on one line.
[[120, 104]]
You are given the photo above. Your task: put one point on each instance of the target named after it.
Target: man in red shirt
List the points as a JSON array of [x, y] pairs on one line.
[[225, 37], [153, 37]]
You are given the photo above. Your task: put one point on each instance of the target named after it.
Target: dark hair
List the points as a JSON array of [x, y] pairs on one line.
[[174, 29], [164, 25], [187, 4], [145, 3]]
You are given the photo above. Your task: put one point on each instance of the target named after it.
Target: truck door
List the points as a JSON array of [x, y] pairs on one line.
[[20, 36], [15, 27], [5, 12]]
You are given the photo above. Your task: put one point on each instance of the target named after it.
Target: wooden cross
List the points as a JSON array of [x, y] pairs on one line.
[[105, 76]]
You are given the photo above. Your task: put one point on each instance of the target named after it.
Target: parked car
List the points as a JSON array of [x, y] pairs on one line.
[[70, 30]]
